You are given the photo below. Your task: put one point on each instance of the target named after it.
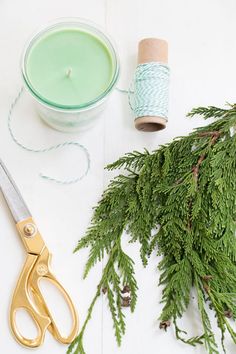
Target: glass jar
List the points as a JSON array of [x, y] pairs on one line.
[[70, 117]]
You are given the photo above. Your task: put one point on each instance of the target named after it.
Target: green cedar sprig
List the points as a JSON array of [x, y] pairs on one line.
[[186, 191]]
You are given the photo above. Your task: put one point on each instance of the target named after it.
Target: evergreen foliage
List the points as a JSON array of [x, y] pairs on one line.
[[185, 191]]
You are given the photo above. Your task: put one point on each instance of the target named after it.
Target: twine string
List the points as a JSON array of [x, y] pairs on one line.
[[48, 149], [148, 94]]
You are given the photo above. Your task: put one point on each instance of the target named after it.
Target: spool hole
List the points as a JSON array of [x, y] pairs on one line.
[[150, 127]]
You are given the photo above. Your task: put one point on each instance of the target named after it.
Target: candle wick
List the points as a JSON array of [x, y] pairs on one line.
[[68, 73]]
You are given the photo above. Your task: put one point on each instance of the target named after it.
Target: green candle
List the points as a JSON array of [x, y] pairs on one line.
[[69, 67]]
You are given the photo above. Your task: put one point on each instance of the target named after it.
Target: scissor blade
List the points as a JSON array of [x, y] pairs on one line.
[[12, 195]]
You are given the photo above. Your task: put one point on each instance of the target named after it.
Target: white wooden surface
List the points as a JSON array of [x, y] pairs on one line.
[[202, 50]]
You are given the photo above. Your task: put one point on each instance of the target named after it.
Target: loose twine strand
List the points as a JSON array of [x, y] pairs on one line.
[[51, 148], [148, 95]]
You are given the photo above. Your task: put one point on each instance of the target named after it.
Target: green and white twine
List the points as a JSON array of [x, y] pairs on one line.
[[148, 94], [151, 90], [51, 148]]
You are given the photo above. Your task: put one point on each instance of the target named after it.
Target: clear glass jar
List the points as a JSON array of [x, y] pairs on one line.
[[71, 118]]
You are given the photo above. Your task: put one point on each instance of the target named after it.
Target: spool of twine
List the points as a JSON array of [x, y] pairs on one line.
[[151, 51]]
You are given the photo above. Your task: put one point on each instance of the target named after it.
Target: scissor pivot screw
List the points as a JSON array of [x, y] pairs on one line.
[[29, 230], [42, 269]]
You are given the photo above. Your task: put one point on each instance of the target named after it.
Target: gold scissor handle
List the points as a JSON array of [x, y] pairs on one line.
[[28, 295], [35, 268], [42, 270], [22, 300]]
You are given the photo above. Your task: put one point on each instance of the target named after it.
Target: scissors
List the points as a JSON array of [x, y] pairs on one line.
[[27, 295]]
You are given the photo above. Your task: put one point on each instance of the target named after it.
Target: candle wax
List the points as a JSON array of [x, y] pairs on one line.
[[69, 67]]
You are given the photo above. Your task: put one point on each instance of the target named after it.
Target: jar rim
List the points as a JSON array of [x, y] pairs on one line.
[[92, 28]]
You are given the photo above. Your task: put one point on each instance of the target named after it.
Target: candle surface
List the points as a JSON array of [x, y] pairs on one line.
[[69, 67]]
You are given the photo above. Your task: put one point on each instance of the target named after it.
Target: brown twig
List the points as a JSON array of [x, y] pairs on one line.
[[164, 325], [207, 277], [228, 314], [126, 301], [214, 136], [206, 287], [195, 169]]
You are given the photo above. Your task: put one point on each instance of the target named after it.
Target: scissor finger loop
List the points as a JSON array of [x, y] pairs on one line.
[[22, 300], [42, 270], [28, 295]]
